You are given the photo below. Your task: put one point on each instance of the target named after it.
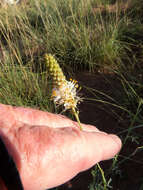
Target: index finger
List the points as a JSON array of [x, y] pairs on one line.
[[32, 116], [38, 117]]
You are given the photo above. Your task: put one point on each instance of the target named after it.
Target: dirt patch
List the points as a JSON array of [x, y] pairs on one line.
[[130, 171]]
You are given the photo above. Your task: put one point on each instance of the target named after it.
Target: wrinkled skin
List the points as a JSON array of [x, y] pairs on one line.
[[49, 149]]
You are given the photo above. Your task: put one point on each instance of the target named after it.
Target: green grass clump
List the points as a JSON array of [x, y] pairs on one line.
[[21, 87], [79, 35]]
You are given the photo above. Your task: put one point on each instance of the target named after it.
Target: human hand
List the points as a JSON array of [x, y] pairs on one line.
[[49, 149]]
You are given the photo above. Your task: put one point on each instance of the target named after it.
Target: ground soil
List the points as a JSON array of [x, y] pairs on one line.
[[130, 176]]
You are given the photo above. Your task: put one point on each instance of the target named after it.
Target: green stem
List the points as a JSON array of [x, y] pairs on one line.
[[77, 117], [103, 177]]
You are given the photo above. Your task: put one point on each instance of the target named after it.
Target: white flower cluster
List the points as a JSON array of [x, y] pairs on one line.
[[66, 94]]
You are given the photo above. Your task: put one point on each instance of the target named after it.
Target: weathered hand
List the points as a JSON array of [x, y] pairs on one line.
[[49, 149]]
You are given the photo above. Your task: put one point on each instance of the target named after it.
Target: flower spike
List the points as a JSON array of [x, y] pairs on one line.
[[63, 92]]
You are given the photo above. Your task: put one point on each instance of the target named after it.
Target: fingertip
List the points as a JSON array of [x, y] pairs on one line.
[[117, 140], [100, 146]]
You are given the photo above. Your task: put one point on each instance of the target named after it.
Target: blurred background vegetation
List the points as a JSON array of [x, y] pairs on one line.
[[96, 36]]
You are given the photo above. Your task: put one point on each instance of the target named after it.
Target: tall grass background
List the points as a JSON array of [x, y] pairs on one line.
[[84, 35]]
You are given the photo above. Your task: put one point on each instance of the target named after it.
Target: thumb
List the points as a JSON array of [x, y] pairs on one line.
[[99, 146]]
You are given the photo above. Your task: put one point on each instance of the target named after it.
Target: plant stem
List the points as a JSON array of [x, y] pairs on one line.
[[77, 117], [103, 177]]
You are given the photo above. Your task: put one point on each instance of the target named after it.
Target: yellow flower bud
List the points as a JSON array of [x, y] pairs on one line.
[[54, 69]]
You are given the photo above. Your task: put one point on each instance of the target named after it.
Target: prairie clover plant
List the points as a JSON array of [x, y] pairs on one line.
[[64, 92]]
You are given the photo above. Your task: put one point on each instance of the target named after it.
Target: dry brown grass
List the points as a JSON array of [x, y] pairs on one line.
[[113, 8]]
